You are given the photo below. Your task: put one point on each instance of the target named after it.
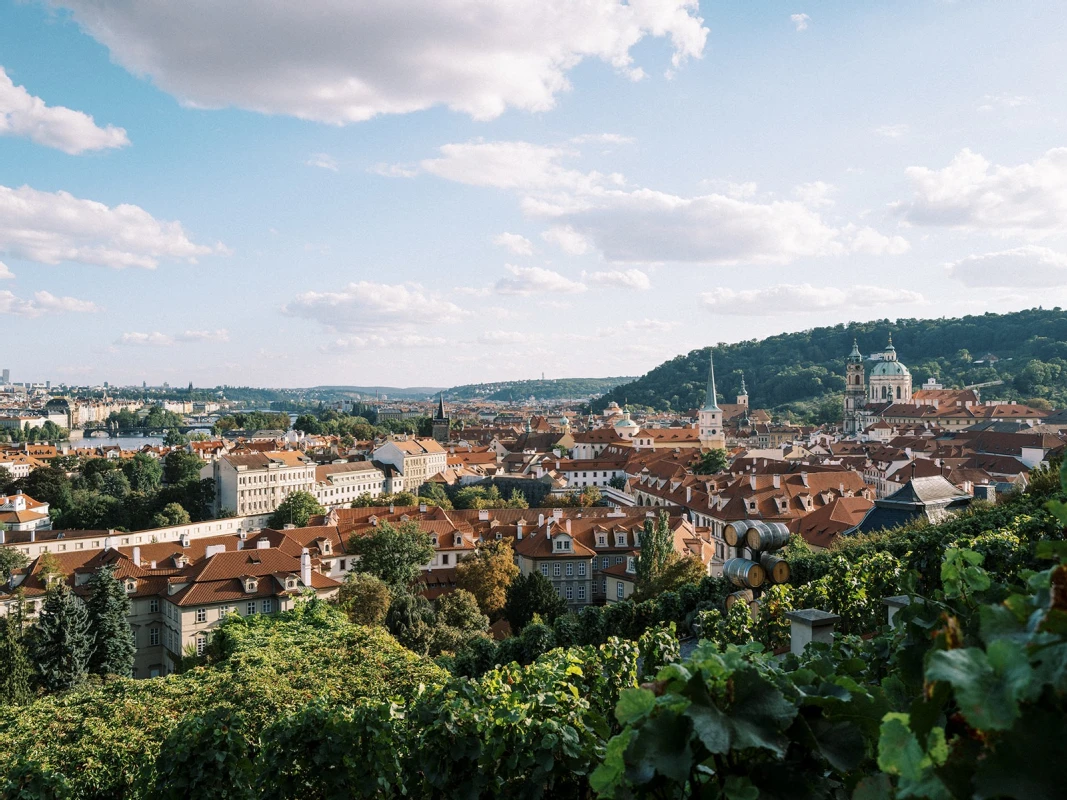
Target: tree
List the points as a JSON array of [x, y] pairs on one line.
[[435, 493], [487, 574], [145, 473], [532, 594], [109, 608], [517, 500], [365, 598], [181, 467], [48, 485], [411, 620], [657, 547], [458, 619], [679, 571], [62, 643], [6, 479], [114, 483], [618, 482], [10, 560], [395, 554], [175, 438], [15, 667], [296, 509], [711, 462], [171, 514]]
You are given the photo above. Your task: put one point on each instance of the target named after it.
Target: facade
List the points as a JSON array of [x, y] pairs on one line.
[[417, 460], [890, 380], [710, 417], [337, 485], [257, 483]]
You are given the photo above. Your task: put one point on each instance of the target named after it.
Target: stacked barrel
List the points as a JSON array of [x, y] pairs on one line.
[[762, 539]]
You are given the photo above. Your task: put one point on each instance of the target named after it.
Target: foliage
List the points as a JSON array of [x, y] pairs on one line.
[[411, 619], [364, 598], [529, 595], [296, 509], [181, 467], [657, 546], [393, 553], [11, 559], [435, 494], [553, 389], [711, 462], [457, 619], [251, 421], [61, 642], [182, 771], [171, 514], [481, 497], [487, 574], [113, 645], [15, 668]]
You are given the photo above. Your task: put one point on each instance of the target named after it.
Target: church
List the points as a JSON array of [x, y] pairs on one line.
[[890, 382]]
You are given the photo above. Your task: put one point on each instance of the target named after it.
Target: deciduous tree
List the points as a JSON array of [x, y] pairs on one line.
[[487, 574], [395, 554], [296, 509], [532, 594], [365, 598]]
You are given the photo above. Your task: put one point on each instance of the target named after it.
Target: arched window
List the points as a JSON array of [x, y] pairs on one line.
[[898, 393]]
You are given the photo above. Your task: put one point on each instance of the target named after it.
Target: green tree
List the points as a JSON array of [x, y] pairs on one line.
[[61, 642], [657, 547], [6, 479], [529, 595], [181, 467], [175, 438], [711, 462], [145, 473], [411, 620], [435, 493], [679, 571], [365, 598], [458, 619], [296, 509], [109, 609], [15, 668], [517, 500], [114, 483], [48, 485], [10, 560], [487, 574], [395, 554], [171, 514]]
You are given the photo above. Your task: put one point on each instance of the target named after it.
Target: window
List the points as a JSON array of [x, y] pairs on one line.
[[544, 570], [201, 615], [570, 570], [601, 540], [619, 590], [581, 569], [153, 606], [570, 593], [223, 611], [581, 592], [268, 605], [555, 570], [604, 562], [444, 558], [605, 589], [250, 607], [201, 645], [618, 559], [153, 637], [343, 567]]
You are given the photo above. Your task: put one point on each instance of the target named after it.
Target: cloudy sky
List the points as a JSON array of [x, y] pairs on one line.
[[446, 191]]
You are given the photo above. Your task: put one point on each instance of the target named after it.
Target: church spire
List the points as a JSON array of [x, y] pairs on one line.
[[855, 356], [743, 389], [441, 406], [709, 399]]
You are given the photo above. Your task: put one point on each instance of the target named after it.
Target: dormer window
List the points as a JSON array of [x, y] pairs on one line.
[[601, 540], [327, 548], [620, 540], [250, 585], [630, 564], [290, 583], [458, 541], [131, 586], [435, 541]]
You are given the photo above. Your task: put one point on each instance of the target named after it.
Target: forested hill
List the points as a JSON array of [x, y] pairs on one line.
[[558, 389], [1030, 348]]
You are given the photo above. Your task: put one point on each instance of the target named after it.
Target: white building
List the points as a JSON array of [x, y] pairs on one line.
[[337, 485], [257, 483], [417, 460]]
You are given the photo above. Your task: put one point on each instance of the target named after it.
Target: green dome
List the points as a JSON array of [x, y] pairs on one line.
[[889, 369]]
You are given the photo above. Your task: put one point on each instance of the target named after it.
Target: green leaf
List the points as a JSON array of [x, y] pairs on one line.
[[609, 776], [661, 747], [840, 743], [898, 750], [1054, 550], [634, 705], [988, 685], [874, 787], [740, 788], [760, 712], [711, 726]]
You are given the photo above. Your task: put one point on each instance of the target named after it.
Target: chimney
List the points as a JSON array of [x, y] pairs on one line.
[[422, 508], [262, 544], [3, 538], [557, 513], [305, 567], [777, 481], [752, 481], [483, 515], [518, 530], [567, 525], [137, 555], [540, 520], [548, 530], [688, 493], [184, 538]]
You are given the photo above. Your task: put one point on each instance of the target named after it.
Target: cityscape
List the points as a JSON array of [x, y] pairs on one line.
[[577, 400]]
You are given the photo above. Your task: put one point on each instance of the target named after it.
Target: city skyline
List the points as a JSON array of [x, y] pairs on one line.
[[360, 196]]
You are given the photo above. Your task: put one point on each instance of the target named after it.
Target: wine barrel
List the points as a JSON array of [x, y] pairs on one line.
[[744, 573], [734, 532], [767, 536], [744, 596], [776, 567]]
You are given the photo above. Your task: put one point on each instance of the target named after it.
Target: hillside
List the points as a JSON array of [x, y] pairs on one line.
[[558, 389], [1030, 348]]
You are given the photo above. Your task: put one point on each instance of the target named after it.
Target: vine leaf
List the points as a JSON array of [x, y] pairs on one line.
[[988, 685], [634, 705]]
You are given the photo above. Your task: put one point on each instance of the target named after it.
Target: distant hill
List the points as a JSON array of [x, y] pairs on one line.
[[1028, 349], [557, 389], [370, 392]]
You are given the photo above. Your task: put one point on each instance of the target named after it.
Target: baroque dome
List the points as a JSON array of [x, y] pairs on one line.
[[889, 369]]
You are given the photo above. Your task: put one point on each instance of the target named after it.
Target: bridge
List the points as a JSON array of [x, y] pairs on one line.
[[102, 430]]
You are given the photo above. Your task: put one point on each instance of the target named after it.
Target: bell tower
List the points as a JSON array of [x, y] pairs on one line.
[[711, 433], [855, 390], [441, 423], [742, 398]]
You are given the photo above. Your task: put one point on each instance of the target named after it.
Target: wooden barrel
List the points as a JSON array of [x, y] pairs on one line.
[[734, 532], [776, 567], [744, 573], [767, 536], [744, 596]]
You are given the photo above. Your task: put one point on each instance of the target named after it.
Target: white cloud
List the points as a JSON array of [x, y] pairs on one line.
[[5, 273], [44, 303], [382, 342], [322, 161], [516, 243], [816, 193], [800, 21], [157, 339], [868, 241], [369, 306], [971, 194], [567, 239], [623, 279], [893, 131], [991, 102], [802, 298], [502, 337], [1021, 267], [587, 210], [50, 227], [347, 62], [536, 280], [73, 132], [602, 138]]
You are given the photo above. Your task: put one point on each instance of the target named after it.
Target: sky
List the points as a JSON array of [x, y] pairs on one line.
[[440, 192]]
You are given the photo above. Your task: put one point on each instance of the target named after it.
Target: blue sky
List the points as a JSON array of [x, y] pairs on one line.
[[445, 192]]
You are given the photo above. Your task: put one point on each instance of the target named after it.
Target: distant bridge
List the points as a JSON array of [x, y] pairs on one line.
[[102, 430]]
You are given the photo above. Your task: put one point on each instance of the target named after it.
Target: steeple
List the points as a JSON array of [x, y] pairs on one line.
[[855, 356], [743, 389], [441, 406], [890, 351], [742, 398], [710, 403]]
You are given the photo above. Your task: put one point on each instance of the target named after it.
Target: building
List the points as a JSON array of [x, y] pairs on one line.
[[932, 498], [889, 384], [442, 425], [337, 485], [417, 460], [855, 390], [257, 483], [710, 416], [20, 512], [890, 380]]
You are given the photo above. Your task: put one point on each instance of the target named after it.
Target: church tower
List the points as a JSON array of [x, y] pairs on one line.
[[855, 390], [441, 423], [742, 399], [890, 380], [711, 433]]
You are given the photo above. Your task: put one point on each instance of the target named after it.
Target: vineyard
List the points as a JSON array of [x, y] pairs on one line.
[[962, 697]]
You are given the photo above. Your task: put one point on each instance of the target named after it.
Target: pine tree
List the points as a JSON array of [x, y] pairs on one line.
[[15, 668], [112, 639], [657, 547], [61, 642]]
